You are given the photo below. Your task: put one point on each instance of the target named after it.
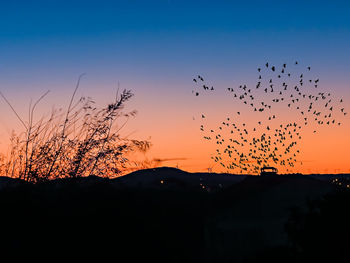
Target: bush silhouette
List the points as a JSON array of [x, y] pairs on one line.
[[321, 233], [84, 140]]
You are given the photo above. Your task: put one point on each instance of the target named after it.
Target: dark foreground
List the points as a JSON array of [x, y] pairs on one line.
[[258, 219]]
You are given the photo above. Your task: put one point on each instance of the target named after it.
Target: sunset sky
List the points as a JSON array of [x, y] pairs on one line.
[[156, 48]]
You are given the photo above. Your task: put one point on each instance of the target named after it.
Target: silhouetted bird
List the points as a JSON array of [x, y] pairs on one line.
[[265, 153]]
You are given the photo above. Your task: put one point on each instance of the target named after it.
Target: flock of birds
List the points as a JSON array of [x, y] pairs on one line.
[[268, 140]]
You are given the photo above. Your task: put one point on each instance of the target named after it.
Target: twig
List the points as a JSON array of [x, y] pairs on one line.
[[8, 103]]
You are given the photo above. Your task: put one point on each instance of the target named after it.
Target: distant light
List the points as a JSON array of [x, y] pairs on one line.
[[161, 181]]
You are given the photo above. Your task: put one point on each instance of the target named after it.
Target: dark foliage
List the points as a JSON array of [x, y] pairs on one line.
[[81, 141], [96, 222], [322, 234]]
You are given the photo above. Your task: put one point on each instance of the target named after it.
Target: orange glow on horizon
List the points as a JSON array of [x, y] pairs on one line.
[[178, 142]]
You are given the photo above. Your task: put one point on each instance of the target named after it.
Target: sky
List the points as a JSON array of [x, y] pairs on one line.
[[155, 48]]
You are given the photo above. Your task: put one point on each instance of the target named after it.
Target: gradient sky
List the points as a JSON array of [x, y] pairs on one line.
[[156, 47]]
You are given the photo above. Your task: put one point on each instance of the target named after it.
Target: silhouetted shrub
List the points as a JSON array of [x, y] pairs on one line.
[[82, 141], [323, 232]]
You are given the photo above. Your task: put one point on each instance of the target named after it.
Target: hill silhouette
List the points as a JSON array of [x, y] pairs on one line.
[[175, 178], [136, 217]]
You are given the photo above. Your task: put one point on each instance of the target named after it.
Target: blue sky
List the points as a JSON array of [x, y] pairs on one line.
[[44, 19], [89, 31], [156, 47]]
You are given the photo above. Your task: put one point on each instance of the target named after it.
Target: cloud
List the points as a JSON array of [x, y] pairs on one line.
[[160, 160]]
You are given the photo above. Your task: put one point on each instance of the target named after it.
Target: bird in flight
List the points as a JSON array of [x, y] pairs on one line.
[[250, 148]]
